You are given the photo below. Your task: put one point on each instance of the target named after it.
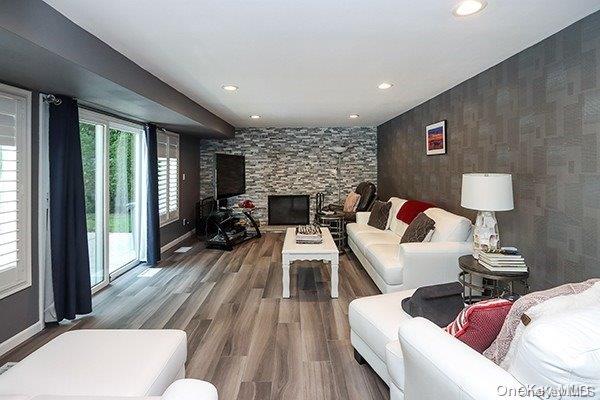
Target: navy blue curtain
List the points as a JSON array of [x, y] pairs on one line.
[[70, 260], [153, 240]]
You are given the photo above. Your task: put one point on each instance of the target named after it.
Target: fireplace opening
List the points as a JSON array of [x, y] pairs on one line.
[[289, 209]]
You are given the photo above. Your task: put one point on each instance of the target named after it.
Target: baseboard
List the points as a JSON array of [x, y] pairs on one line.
[[20, 337], [175, 242]]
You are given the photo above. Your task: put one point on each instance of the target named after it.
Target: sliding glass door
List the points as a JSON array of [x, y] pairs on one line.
[[111, 153]]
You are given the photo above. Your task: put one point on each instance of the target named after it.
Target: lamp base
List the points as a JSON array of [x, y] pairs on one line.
[[486, 237]]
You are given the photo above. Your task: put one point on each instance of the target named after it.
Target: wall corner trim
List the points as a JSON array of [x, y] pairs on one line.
[[20, 337], [175, 242]]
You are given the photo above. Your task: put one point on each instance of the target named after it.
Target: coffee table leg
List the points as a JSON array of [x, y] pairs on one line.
[[334, 276], [286, 277]]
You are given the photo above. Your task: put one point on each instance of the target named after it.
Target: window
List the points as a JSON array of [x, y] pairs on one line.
[[15, 196], [168, 177], [112, 172]]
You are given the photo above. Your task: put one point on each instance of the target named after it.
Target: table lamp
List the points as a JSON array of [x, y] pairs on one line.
[[486, 193]]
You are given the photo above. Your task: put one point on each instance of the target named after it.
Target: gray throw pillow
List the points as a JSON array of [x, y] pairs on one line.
[[418, 229], [379, 214]]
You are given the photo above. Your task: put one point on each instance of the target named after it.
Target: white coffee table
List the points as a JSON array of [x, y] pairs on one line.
[[326, 251]]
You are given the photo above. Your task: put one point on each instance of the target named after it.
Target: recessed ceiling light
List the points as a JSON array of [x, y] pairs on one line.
[[468, 7], [384, 85], [353, 116], [230, 88], [255, 116]]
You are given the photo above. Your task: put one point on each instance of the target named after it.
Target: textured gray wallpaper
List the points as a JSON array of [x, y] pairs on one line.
[[294, 161], [535, 115]]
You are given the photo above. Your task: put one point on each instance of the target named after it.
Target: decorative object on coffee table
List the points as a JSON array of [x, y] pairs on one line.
[[493, 283], [435, 138], [309, 234], [487, 193], [292, 251]]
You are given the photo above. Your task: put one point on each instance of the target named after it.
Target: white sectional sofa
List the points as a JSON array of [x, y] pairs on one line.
[[90, 364], [394, 266], [430, 363]]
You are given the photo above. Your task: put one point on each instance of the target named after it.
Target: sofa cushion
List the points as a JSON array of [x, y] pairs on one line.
[[353, 228], [384, 259], [100, 363], [394, 223], [560, 350], [419, 229], [365, 239], [411, 208], [478, 324], [379, 214], [351, 202], [376, 319], [499, 348], [449, 227]]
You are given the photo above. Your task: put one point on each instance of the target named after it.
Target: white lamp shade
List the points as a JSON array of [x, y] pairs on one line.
[[487, 192]]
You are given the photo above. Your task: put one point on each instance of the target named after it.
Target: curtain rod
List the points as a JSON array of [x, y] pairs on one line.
[[52, 99]]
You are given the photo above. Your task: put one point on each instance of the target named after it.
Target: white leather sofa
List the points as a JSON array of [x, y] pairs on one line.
[[429, 363], [436, 363], [107, 363], [396, 267], [374, 323]]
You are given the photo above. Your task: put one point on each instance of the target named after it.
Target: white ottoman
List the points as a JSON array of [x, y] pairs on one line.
[[101, 363]]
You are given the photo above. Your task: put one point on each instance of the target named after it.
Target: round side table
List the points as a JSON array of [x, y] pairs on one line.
[[337, 227], [499, 282]]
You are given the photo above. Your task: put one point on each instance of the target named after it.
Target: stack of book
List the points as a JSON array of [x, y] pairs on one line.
[[503, 261], [308, 234]]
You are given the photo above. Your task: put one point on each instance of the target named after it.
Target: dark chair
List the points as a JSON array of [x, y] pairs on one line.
[[368, 194]]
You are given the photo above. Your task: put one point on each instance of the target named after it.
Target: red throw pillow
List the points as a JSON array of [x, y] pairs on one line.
[[411, 209], [478, 324]]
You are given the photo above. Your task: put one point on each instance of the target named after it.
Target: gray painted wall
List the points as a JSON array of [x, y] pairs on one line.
[[21, 310], [294, 161], [535, 115], [189, 156]]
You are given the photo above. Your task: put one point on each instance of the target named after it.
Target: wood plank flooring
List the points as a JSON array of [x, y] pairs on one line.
[[242, 336]]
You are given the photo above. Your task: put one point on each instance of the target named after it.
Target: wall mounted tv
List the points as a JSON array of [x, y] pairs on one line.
[[230, 175]]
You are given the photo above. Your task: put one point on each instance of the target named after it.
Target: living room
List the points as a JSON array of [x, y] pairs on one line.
[[275, 200]]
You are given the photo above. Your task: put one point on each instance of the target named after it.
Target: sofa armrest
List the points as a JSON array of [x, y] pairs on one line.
[[395, 363], [431, 263], [190, 389], [362, 217], [435, 362]]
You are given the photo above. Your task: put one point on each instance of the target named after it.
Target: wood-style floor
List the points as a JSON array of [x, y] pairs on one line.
[[242, 336]]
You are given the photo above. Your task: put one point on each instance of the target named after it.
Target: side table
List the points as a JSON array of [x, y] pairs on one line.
[[500, 282], [337, 227]]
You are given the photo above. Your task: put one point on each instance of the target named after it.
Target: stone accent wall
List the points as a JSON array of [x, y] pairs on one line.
[[535, 115], [294, 161]]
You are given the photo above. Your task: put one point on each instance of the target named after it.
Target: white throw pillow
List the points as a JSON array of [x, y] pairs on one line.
[[552, 306], [448, 227], [561, 350]]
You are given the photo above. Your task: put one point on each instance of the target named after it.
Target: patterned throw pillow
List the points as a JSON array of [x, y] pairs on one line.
[[379, 214], [499, 348], [418, 229], [351, 202], [479, 323]]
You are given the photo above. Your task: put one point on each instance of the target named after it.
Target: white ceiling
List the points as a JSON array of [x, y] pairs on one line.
[[314, 62]]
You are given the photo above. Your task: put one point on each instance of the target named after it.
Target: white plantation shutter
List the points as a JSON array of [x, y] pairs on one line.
[[168, 177], [15, 132]]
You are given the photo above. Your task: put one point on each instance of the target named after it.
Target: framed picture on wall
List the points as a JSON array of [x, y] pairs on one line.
[[435, 138]]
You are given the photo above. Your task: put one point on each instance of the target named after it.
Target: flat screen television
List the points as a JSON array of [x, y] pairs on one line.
[[231, 175]]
